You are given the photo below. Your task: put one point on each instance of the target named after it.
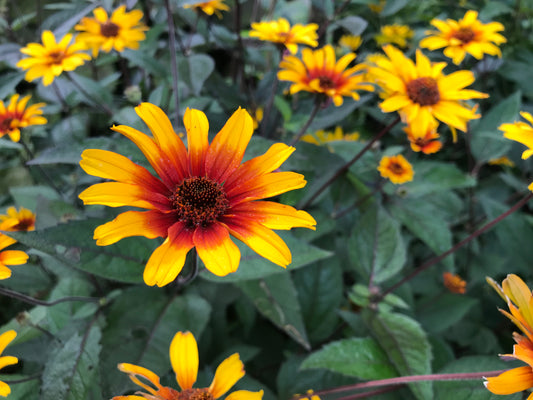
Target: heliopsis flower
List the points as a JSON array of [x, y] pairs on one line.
[[319, 72], [16, 115], [321, 137], [123, 30], [280, 31], [9, 257], [520, 132], [421, 93], [22, 220], [184, 360], [5, 339], [394, 34], [377, 8], [503, 160], [423, 138], [454, 283], [351, 42], [209, 7], [50, 59], [396, 168], [468, 35], [203, 194]]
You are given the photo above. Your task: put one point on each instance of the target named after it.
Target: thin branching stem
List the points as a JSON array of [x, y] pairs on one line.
[[41, 169], [314, 112], [99, 104], [173, 62], [37, 302]]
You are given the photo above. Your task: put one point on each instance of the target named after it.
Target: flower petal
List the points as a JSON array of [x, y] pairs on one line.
[[512, 381], [245, 395], [6, 338], [220, 255], [274, 215], [197, 127], [134, 370], [227, 375], [8, 360], [4, 389], [13, 257], [184, 359]]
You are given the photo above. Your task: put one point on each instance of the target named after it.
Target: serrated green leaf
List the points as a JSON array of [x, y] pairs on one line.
[[200, 67], [445, 311]]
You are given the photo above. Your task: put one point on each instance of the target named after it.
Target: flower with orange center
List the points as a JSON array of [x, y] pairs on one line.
[[424, 139], [209, 7], [50, 59], [184, 360], [17, 115], [9, 257], [22, 220], [396, 168], [123, 30], [454, 283], [468, 35], [281, 32], [5, 339], [203, 194], [519, 300], [394, 34], [319, 72], [421, 93]]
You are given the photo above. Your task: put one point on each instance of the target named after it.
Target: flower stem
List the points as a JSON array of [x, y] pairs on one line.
[[358, 202], [270, 101], [453, 249], [98, 103], [37, 302], [346, 166], [318, 105], [41, 169], [173, 63]]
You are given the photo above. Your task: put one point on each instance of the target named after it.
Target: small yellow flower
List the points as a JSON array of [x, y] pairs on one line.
[[396, 168], [468, 35], [503, 160], [16, 116], [351, 42], [184, 359], [5, 339], [9, 257], [310, 396], [454, 283], [281, 32], [520, 132], [424, 138], [209, 7], [394, 34], [123, 30], [22, 220], [323, 137]]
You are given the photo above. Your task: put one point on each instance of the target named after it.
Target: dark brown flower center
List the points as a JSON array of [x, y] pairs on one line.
[[5, 124], [109, 29], [199, 201], [465, 35], [195, 394], [57, 56], [396, 168], [423, 91], [326, 82]]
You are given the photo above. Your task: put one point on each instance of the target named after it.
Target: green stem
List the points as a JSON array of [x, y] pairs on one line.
[[318, 105], [98, 103], [173, 62], [41, 169], [37, 302]]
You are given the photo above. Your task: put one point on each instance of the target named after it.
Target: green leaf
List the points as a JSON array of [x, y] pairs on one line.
[[376, 246], [406, 345], [445, 311], [276, 298], [392, 7], [505, 111], [146, 61], [434, 177], [26, 389], [487, 145], [359, 357], [335, 115], [200, 67], [353, 24]]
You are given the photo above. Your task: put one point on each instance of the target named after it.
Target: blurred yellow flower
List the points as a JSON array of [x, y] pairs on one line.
[[9, 257], [257, 116], [185, 361], [123, 30], [281, 32], [319, 72], [396, 168], [323, 137], [394, 34], [521, 132], [351, 42], [209, 7], [503, 160], [16, 116], [377, 8], [454, 283], [6, 338], [22, 220], [468, 35], [424, 138]]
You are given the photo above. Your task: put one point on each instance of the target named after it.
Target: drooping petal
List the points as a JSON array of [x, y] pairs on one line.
[[218, 252], [227, 375], [134, 370], [512, 381], [184, 359]]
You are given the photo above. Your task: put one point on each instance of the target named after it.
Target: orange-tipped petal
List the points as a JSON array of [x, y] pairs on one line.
[[512, 381], [184, 359], [215, 248], [275, 215]]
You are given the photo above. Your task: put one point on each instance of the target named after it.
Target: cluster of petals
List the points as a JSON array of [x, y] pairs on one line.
[[427, 143], [396, 168], [468, 35], [21, 220], [282, 32], [203, 194], [324, 137], [185, 361], [394, 34], [209, 7], [6, 338], [49, 59], [19, 115], [123, 30], [9, 257], [319, 72]]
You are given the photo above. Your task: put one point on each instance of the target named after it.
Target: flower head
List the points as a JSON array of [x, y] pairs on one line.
[[9, 257], [123, 30], [17, 115], [521, 132], [50, 59], [319, 72], [323, 137], [203, 194], [282, 32], [468, 35], [184, 359], [394, 34], [454, 283], [22, 220], [5, 339], [351, 42], [209, 7], [421, 93], [424, 138], [396, 168]]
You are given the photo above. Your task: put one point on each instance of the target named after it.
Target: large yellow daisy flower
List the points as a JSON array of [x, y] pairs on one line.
[[16, 115], [9, 257], [468, 35], [184, 359], [280, 31], [5, 339], [203, 194], [50, 59], [22, 220], [396, 168], [421, 93], [209, 7], [319, 72], [123, 30]]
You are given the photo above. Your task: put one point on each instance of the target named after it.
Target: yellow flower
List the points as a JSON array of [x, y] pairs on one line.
[[454, 283], [257, 116], [520, 132], [396, 168], [9, 257], [5, 339], [16, 115], [351, 42], [184, 360], [123, 30], [427, 143], [323, 137], [394, 34], [50, 59], [203, 194], [468, 35], [280, 31], [503, 160], [377, 8], [421, 93], [209, 7], [22, 220], [319, 72]]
